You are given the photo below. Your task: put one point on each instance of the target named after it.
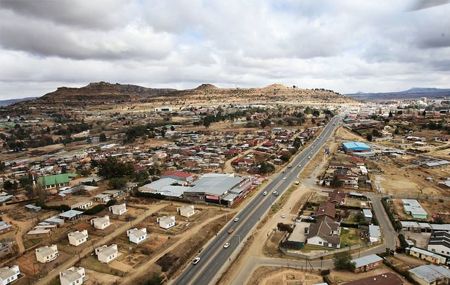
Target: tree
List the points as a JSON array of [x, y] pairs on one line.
[[376, 133], [117, 183], [102, 137], [369, 137], [343, 260], [336, 183], [112, 168], [391, 114], [284, 227], [9, 186], [2, 166]]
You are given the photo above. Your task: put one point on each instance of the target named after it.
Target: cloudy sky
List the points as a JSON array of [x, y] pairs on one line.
[[344, 45]]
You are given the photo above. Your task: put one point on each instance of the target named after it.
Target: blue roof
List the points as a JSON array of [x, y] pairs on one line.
[[356, 146]]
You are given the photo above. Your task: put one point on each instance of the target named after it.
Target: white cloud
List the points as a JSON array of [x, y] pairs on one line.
[[347, 46]]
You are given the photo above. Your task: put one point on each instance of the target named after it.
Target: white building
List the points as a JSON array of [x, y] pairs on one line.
[[106, 254], [46, 253], [430, 274], [186, 211], [72, 276], [374, 233], [440, 243], [101, 223], [118, 209], [166, 222], [9, 274], [137, 235], [76, 238], [84, 205]]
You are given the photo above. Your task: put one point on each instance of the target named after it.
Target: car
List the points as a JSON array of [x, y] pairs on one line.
[[283, 216], [284, 178], [275, 193], [289, 166], [196, 260], [309, 156], [230, 231], [297, 182], [236, 219], [226, 245], [264, 193]]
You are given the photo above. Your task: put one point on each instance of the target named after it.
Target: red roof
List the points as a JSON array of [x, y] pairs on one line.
[[177, 173]]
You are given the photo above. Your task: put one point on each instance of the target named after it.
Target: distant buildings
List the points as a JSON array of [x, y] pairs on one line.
[[72, 276], [54, 181], [355, 147], [46, 253], [106, 254]]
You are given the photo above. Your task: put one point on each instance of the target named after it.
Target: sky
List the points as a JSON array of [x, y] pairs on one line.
[[347, 46]]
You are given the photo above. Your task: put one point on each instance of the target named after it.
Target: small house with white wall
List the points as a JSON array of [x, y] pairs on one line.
[[83, 205], [101, 223], [186, 211], [72, 276], [137, 235], [118, 209], [46, 253], [76, 238], [166, 222], [9, 274], [106, 254]]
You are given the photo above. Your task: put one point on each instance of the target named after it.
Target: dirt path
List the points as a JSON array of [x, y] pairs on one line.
[[143, 269], [21, 228], [122, 229]]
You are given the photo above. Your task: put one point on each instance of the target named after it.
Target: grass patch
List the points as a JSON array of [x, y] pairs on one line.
[[350, 237], [93, 264]]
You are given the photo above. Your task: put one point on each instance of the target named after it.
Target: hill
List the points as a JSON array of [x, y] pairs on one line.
[[413, 93]]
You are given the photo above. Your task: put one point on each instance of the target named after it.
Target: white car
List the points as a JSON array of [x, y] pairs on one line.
[[264, 193], [196, 260], [226, 245], [236, 219]]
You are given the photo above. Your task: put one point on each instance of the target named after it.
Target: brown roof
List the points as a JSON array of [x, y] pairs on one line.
[[327, 209], [387, 278], [337, 196], [326, 228]]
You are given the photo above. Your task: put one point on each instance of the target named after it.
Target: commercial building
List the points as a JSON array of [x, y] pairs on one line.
[[440, 243], [55, 181], [9, 274], [76, 238], [412, 207], [137, 235], [367, 263], [430, 274], [106, 254], [427, 255], [355, 147], [46, 253], [72, 276]]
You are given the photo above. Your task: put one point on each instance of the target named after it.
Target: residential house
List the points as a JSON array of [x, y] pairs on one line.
[[325, 232], [46, 253], [4, 227], [118, 209], [101, 223], [186, 211], [9, 274], [102, 198], [367, 215], [83, 205], [106, 254], [326, 209], [427, 255], [440, 243], [337, 197], [374, 233], [76, 238], [72, 276], [430, 274], [367, 263], [166, 222], [137, 235]]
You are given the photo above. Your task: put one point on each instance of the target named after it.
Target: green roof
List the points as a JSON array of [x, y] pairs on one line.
[[55, 179]]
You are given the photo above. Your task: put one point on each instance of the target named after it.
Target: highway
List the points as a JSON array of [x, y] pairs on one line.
[[215, 256]]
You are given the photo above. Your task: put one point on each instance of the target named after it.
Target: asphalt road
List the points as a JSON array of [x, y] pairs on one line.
[[215, 256]]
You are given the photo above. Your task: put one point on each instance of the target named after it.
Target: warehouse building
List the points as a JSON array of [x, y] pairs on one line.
[[355, 147]]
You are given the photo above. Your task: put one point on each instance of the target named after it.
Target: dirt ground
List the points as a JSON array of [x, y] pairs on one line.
[[345, 276], [277, 276]]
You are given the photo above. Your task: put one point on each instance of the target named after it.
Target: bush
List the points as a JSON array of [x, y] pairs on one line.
[[343, 260]]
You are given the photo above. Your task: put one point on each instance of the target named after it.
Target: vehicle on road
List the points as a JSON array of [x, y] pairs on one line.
[[264, 193], [275, 193], [236, 219], [290, 166], [309, 156], [284, 178], [283, 216], [297, 182], [196, 260], [226, 245], [230, 231]]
